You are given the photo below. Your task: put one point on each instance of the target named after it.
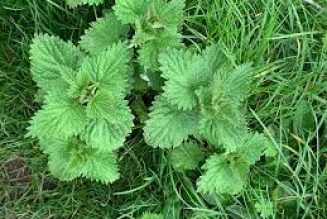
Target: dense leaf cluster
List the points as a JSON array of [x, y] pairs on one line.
[[84, 117], [198, 113], [202, 101]]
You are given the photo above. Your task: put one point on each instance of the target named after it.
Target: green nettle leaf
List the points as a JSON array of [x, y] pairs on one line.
[[184, 74], [168, 14], [232, 83], [103, 33], [187, 156], [48, 56], [105, 106], [67, 75], [74, 3], [265, 208], [252, 148], [129, 11], [69, 159], [224, 175], [149, 52], [169, 127], [109, 69], [271, 151], [63, 117], [222, 122], [106, 136]]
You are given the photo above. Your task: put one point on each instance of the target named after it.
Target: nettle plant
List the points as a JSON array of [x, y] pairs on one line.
[[198, 115], [201, 110], [85, 117]]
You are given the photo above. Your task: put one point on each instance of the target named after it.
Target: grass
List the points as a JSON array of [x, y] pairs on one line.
[[285, 39]]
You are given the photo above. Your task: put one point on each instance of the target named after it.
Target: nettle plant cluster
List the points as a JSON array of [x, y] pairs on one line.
[[198, 114]]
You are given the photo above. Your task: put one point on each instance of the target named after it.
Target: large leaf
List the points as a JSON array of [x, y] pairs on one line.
[[129, 11], [71, 158], [187, 156], [106, 136], [109, 70], [223, 175], [61, 116], [103, 33], [168, 126], [184, 74], [49, 55], [74, 3]]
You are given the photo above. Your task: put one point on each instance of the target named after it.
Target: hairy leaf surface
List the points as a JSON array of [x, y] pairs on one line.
[[232, 83], [109, 69], [168, 126], [168, 14], [149, 52], [103, 33], [187, 156], [111, 108], [253, 147], [224, 175], [106, 136], [70, 158], [216, 57], [48, 55], [128, 11], [184, 74], [61, 116], [222, 122]]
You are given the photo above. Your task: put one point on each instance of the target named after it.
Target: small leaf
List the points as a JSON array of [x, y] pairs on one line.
[[78, 84], [271, 151], [253, 147], [186, 157], [265, 208], [232, 83], [216, 57], [223, 175]]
